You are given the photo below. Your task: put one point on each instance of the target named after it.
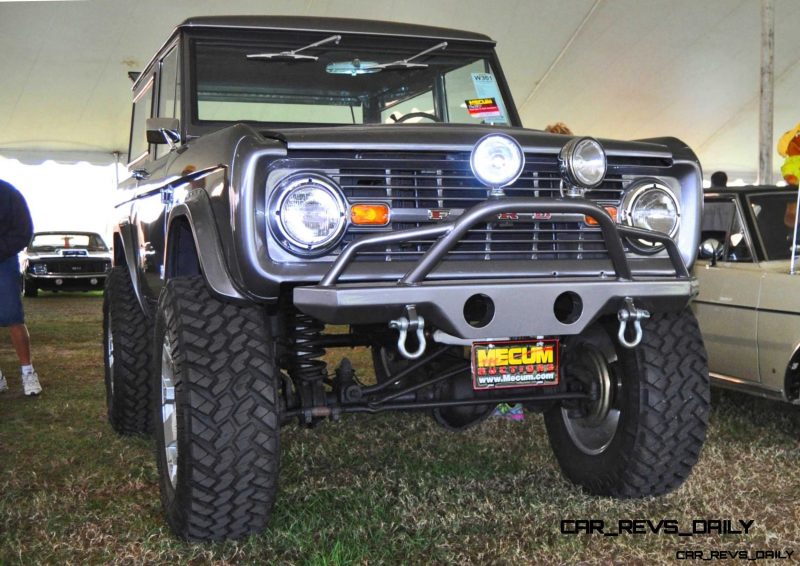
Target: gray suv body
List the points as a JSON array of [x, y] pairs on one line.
[[288, 173]]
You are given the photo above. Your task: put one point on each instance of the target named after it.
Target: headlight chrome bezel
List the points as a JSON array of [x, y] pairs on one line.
[[569, 171], [283, 235], [633, 196], [475, 164]]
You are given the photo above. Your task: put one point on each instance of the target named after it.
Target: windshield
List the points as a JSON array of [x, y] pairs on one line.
[[775, 215], [55, 242], [319, 78]]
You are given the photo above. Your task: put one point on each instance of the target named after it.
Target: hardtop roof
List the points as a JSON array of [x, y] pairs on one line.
[[333, 25], [309, 23]]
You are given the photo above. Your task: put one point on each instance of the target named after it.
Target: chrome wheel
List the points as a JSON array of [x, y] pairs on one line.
[[593, 431], [169, 418]]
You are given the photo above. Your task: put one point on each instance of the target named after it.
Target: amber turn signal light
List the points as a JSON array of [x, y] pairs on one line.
[[369, 214], [612, 212]]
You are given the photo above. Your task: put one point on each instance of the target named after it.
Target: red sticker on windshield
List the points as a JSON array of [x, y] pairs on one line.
[[483, 107]]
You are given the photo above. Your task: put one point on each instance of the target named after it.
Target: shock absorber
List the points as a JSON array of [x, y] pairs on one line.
[[307, 370]]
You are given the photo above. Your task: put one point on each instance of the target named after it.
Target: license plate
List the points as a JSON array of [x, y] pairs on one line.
[[514, 363]]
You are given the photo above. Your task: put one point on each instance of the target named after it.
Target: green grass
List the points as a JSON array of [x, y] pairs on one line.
[[390, 488]]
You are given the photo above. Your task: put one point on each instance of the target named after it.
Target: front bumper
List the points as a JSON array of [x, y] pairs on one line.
[[68, 282], [521, 306]]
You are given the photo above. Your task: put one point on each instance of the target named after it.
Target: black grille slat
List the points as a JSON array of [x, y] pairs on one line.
[[74, 265]]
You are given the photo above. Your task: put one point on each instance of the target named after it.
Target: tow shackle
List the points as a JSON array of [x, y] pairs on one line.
[[413, 323]]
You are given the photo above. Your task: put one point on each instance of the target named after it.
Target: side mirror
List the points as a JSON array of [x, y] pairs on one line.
[[711, 248], [163, 131]]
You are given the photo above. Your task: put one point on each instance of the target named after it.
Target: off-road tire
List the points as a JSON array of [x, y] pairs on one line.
[[128, 378], [225, 380], [663, 403]]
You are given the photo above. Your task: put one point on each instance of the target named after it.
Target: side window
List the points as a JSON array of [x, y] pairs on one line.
[[142, 110], [723, 222], [474, 81], [736, 247], [168, 93]]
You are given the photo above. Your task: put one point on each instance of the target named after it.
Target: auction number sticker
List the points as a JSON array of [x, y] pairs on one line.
[[507, 364], [483, 107], [488, 102]]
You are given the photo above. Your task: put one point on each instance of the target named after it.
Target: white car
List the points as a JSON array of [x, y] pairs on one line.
[[749, 302]]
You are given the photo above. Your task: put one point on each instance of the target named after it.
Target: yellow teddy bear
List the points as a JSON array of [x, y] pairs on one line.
[[789, 147]]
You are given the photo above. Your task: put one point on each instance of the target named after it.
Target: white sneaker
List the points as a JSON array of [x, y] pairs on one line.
[[3, 383], [30, 383]]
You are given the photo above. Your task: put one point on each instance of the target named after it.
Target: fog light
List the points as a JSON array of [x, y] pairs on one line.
[[93, 281], [497, 160], [583, 164], [59, 281]]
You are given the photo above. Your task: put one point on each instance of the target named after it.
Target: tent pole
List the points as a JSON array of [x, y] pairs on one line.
[[766, 106]]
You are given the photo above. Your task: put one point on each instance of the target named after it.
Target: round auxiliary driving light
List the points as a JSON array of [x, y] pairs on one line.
[[497, 160], [583, 163], [652, 206], [309, 213]]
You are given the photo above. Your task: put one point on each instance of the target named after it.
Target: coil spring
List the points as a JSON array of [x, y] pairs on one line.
[[306, 366]]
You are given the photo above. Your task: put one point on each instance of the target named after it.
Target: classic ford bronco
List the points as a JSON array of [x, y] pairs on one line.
[[292, 173]]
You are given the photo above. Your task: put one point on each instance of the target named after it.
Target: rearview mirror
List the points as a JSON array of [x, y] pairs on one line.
[[163, 130]]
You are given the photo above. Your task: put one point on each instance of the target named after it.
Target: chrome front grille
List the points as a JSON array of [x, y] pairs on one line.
[[507, 241], [445, 180], [420, 187]]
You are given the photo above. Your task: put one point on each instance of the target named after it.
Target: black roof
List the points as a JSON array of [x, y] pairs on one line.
[[333, 25], [329, 25]]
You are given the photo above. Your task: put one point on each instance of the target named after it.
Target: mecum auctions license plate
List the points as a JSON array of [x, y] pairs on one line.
[[507, 364]]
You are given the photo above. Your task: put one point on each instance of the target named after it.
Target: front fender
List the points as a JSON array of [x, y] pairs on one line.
[[127, 239], [196, 209]]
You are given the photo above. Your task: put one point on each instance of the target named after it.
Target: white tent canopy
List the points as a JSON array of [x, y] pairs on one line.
[[608, 68]]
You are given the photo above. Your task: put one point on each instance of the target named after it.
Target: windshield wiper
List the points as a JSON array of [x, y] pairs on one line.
[[293, 54], [406, 63]]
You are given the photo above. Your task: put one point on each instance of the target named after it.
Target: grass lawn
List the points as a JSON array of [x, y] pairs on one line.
[[390, 488]]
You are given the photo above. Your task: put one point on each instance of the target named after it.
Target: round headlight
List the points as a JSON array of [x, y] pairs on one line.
[[497, 160], [309, 213], [583, 163], [652, 206]]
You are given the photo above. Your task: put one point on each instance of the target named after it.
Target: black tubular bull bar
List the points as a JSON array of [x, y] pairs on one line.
[[362, 303]]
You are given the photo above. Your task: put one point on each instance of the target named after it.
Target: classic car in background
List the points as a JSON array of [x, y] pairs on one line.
[[749, 303], [65, 261]]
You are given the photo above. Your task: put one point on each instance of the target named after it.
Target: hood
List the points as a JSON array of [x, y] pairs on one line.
[[450, 137]]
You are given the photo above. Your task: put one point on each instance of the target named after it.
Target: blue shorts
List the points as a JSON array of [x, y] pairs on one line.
[[10, 299]]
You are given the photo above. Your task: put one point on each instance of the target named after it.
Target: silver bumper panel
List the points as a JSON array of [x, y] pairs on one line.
[[521, 307]]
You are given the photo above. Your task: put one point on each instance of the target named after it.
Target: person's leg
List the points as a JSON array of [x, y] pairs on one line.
[[21, 341], [22, 344], [12, 316]]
